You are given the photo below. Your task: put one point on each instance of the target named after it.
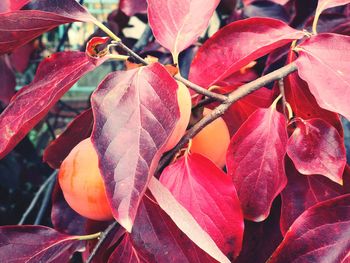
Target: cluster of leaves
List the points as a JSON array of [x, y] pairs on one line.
[[285, 195]]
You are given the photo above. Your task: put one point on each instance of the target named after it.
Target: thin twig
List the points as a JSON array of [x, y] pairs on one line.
[[103, 237], [44, 203], [36, 197], [282, 92], [200, 90], [235, 95], [188, 83]]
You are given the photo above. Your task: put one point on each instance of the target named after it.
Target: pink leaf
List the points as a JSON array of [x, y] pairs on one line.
[[132, 7], [156, 238], [19, 27], [79, 129], [324, 63], [135, 112], [303, 192], [177, 24], [55, 75], [184, 220], [320, 234], [35, 244], [317, 148], [255, 160], [8, 80], [210, 196], [303, 103], [236, 45]]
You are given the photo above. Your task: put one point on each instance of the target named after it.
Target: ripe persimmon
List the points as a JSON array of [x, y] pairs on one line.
[[185, 106], [212, 141], [82, 184]]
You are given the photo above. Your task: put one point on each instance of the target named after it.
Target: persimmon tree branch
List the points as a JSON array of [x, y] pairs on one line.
[[102, 238], [178, 77], [235, 95], [37, 195]]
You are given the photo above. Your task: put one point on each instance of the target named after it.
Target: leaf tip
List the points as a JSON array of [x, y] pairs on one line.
[[126, 223]]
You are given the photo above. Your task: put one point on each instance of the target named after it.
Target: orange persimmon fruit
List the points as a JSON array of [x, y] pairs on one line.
[[82, 184], [185, 106], [212, 141]]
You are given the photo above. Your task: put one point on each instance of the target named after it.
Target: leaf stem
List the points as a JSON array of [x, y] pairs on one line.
[[235, 95], [89, 237]]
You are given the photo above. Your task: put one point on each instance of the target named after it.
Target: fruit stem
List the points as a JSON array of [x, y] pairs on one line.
[[107, 31], [89, 237]]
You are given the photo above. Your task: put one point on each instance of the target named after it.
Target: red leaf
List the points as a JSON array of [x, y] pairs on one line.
[[177, 24], [324, 63], [125, 252], [239, 112], [317, 148], [320, 234], [156, 238], [55, 75], [237, 44], [79, 129], [19, 27], [35, 244], [255, 160], [20, 57], [303, 103], [8, 80], [210, 196], [303, 192], [184, 220], [12, 5], [135, 112], [132, 7]]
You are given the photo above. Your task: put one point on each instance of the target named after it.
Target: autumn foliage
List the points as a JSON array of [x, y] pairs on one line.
[[220, 138]]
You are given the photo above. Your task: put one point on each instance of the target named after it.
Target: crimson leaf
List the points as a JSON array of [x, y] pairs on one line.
[[177, 24], [302, 192], [78, 130], [156, 238], [325, 228], [237, 44], [135, 112], [324, 63], [317, 148], [255, 161], [303, 103], [46, 15], [55, 75], [32, 244], [210, 196]]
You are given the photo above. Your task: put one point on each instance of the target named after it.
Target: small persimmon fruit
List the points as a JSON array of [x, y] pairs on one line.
[[82, 184], [185, 106], [212, 141]]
